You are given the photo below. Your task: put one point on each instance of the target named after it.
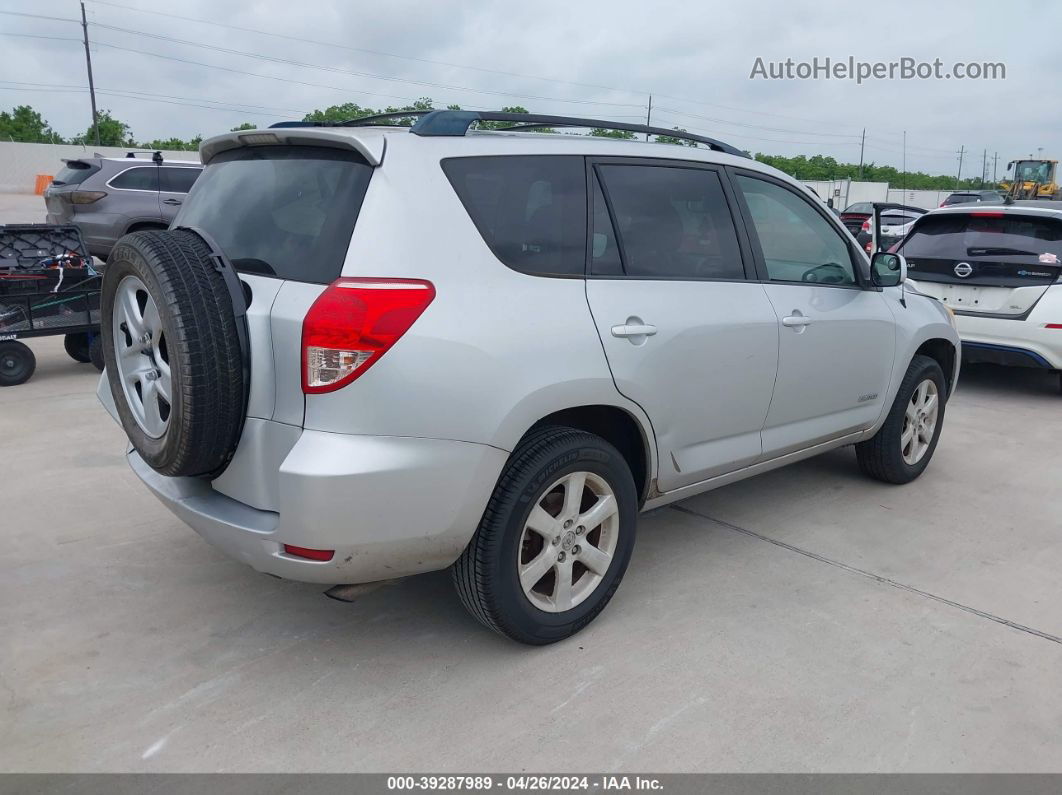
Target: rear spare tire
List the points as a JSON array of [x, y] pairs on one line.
[[173, 354]]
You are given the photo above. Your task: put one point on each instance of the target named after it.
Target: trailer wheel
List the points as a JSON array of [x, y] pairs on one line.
[[96, 352], [17, 363], [77, 346]]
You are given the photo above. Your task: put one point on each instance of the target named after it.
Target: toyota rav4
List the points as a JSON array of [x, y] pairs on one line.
[[363, 351]]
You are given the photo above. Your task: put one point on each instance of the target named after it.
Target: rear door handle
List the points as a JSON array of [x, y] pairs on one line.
[[633, 330], [171, 201], [796, 320]]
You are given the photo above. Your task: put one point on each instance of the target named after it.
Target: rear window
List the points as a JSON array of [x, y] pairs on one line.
[[862, 207], [140, 178], [178, 180], [75, 172], [949, 236], [285, 211], [530, 210], [961, 198]]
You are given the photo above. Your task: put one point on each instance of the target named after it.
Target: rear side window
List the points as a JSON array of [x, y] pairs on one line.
[[140, 178], [75, 172], [285, 211], [178, 180], [672, 222], [956, 235], [530, 210]]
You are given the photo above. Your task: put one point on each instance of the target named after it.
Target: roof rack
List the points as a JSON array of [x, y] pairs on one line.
[[156, 155], [456, 123], [361, 121]]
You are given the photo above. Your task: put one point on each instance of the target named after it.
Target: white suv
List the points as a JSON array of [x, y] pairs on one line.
[[364, 352]]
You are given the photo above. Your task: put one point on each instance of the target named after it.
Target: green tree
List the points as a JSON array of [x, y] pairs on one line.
[[113, 132], [245, 126], [671, 139], [25, 124], [602, 132], [351, 110]]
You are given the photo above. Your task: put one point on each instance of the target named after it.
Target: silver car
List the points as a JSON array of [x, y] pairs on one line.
[[364, 352], [108, 197]]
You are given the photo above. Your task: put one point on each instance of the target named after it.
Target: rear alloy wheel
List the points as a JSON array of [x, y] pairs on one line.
[[17, 363], [901, 449], [555, 539]]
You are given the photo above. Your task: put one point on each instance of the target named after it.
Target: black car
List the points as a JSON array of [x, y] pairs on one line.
[[973, 197]]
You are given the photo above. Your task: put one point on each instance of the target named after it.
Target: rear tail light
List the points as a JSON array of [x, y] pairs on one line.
[[987, 214], [866, 225], [353, 323], [84, 196], [309, 554], [1053, 325]]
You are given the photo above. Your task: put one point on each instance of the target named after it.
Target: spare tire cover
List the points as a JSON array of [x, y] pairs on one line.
[[173, 353]]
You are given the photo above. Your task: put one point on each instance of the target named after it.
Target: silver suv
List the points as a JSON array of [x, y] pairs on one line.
[[364, 352], [108, 197]]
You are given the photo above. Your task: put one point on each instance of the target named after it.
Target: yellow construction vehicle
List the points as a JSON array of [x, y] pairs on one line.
[[1033, 179]]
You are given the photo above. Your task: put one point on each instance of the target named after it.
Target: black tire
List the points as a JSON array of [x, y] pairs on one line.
[[881, 456], [77, 347], [96, 352], [17, 363], [486, 575], [202, 345]]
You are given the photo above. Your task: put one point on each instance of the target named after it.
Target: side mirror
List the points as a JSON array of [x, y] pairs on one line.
[[888, 270]]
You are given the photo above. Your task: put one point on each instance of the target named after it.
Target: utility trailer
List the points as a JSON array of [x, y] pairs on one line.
[[48, 286]]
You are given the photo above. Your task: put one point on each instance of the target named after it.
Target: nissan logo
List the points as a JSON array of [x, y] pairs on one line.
[[963, 269]]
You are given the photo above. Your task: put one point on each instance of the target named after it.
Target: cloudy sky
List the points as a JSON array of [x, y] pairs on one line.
[[598, 59]]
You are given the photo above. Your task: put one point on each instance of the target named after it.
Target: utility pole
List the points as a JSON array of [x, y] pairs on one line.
[[92, 87], [958, 176], [984, 167], [904, 163], [862, 141], [649, 117], [995, 160]]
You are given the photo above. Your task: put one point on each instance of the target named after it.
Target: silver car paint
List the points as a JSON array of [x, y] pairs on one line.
[[395, 470]]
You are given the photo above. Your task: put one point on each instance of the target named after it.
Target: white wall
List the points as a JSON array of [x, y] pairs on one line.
[[21, 163]]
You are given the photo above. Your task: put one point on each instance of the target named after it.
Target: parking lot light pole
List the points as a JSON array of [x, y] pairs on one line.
[[92, 87]]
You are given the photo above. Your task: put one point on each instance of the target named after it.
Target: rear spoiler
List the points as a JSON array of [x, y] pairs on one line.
[[371, 147]]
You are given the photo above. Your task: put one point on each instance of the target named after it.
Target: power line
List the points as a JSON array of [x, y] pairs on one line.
[[350, 48], [367, 75]]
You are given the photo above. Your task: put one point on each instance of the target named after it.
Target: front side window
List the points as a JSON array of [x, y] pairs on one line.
[[672, 222], [139, 178], [798, 244], [530, 209]]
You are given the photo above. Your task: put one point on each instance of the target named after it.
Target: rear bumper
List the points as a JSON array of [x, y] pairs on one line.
[[388, 506], [1027, 342]]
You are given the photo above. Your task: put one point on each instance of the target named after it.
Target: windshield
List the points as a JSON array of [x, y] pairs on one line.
[[285, 211], [965, 235], [1032, 171]]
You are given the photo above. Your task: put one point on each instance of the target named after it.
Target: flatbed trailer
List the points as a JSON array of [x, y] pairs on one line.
[[48, 286]]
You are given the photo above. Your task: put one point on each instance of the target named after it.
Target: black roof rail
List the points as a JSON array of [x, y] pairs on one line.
[[361, 121], [457, 122]]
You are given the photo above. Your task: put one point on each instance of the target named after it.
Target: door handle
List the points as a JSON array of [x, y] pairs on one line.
[[633, 330], [796, 320], [171, 201]]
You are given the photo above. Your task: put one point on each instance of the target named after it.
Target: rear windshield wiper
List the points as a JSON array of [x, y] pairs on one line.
[[974, 252]]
